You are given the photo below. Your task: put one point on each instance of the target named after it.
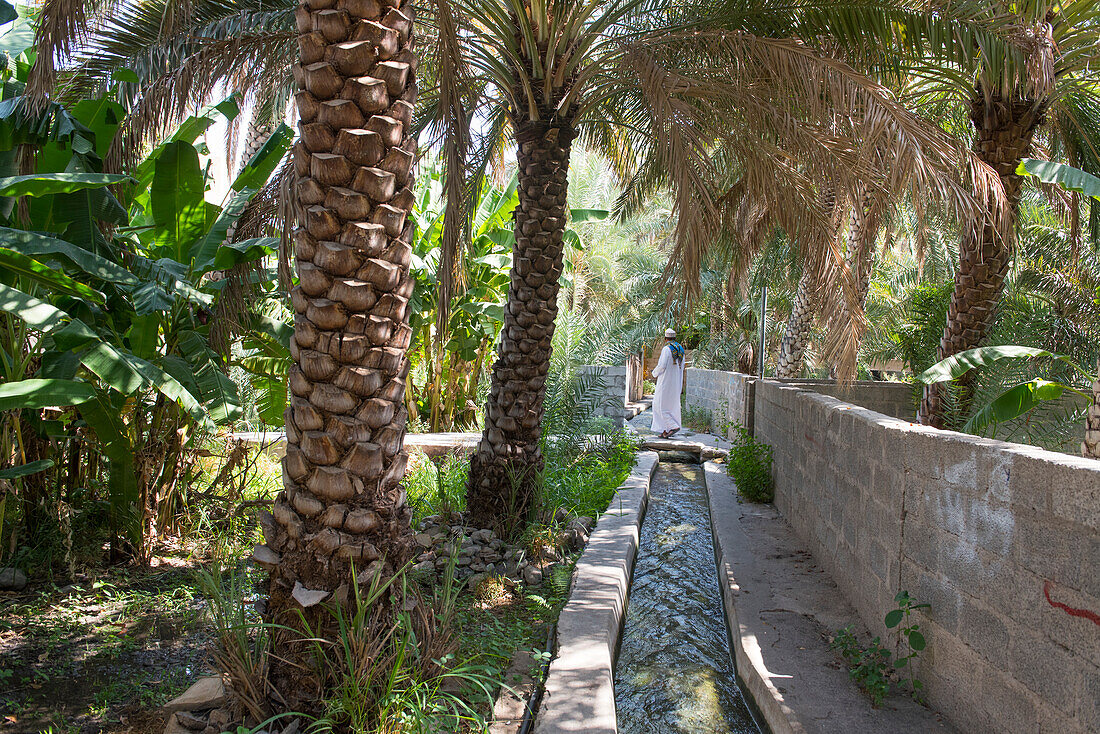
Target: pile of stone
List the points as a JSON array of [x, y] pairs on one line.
[[479, 553]]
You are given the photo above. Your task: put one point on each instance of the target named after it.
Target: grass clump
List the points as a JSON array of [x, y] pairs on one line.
[[750, 466]]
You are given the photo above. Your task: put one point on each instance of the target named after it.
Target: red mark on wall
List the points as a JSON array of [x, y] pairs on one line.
[[1071, 611]]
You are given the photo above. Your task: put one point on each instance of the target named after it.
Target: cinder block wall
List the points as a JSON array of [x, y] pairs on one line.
[[612, 399], [727, 395], [1002, 540]]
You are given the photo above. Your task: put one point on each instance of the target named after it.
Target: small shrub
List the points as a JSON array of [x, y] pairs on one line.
[[698, 418], [910, 633], [750, 466], [869, 667]]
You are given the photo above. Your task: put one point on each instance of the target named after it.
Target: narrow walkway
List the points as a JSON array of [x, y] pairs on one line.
[[675, 672], [784, 607]]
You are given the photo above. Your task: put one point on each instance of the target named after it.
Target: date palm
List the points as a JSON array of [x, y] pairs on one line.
[[1012, 102], [656, 88]]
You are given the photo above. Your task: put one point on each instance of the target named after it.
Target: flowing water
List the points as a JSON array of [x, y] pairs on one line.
[[675, 674]]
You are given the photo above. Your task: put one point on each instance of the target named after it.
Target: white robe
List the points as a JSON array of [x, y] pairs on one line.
[[666, 398]]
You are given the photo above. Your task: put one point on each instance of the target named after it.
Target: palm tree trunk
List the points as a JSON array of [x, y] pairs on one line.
[[799, 323], [1091, 445], [1004, 130], [343, 506], [504, 470]]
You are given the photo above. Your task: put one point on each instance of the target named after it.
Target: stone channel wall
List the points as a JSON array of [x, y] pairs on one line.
[[1003, 540], [729, 396]]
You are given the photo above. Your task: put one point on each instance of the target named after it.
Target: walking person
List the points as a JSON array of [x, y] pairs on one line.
[[670, 381]]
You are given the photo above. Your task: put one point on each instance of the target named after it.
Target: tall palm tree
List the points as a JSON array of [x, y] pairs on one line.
[[1052, 90], [655, 87], [343, 506]]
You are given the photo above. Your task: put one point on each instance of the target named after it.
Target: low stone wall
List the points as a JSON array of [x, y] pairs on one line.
[[613, 398], [1003, 540], [729, 396], [579, 694]]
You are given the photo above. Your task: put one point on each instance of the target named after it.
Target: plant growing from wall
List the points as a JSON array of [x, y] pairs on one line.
[[868, 667], [910, 635], [750, 465]]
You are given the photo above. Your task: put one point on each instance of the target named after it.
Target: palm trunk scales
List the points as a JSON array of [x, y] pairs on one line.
[[504, 470], [1005, 128], [342, 503], [1091, 445]]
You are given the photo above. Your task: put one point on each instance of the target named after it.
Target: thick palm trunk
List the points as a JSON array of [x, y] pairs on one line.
[[1004, 128], [799, 324], [504, 470], [1091, 445], [343, 506]]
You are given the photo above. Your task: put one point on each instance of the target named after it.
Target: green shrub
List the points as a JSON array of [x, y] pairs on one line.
[[750, 466], [698, 418]]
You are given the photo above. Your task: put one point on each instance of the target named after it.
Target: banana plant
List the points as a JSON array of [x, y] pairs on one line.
[[1018, 399], [106, 303]]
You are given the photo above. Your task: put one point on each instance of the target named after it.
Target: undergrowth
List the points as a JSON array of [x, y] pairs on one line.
[[750, 465]]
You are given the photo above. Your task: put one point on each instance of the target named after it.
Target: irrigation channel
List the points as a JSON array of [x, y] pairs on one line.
[[675, 673]]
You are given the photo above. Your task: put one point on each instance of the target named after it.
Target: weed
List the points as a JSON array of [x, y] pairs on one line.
[[698, 418], [910, 634], [868, 667], [750, 465]]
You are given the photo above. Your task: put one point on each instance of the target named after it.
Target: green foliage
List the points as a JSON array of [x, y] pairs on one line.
[[698, 418], [1017, 400], [104, 279], [868, 667], [750, 465], [1068, 177], [901, 617]]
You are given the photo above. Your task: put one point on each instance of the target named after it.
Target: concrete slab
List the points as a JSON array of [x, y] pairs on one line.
[[781, 608], [579, 694]]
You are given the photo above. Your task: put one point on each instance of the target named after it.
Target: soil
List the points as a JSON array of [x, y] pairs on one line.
[[101, 654]]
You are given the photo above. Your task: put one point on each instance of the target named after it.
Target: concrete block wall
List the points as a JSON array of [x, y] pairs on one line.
[[727, 395], [612, 399], [895, 399], [1003, 540]]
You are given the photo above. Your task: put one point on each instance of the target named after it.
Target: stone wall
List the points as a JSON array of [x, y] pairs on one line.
[[729, 396], [1003, 540], [895, 399], [612, 398]]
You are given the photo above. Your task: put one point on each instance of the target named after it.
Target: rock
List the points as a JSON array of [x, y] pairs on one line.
[[426, 565], [477, 578], [12, 579], [496, 543], [423, 539], [205, 693], [561, 516], [575, 538], [219, 718], [584, 522], [190, 721], [532, 576], [462, 561], [467, 551], [174, 727]]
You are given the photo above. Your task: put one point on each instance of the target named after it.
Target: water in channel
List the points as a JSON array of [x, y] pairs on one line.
[[675, 674]]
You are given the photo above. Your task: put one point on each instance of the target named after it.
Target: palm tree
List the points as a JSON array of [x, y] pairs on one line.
[[343, 506], [655, 88], [1010, 101]]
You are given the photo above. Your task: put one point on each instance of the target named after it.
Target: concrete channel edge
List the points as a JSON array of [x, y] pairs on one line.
[[753, 674], [579, 692]]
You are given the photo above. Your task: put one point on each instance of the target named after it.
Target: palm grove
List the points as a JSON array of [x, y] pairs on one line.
[[817, 121]]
